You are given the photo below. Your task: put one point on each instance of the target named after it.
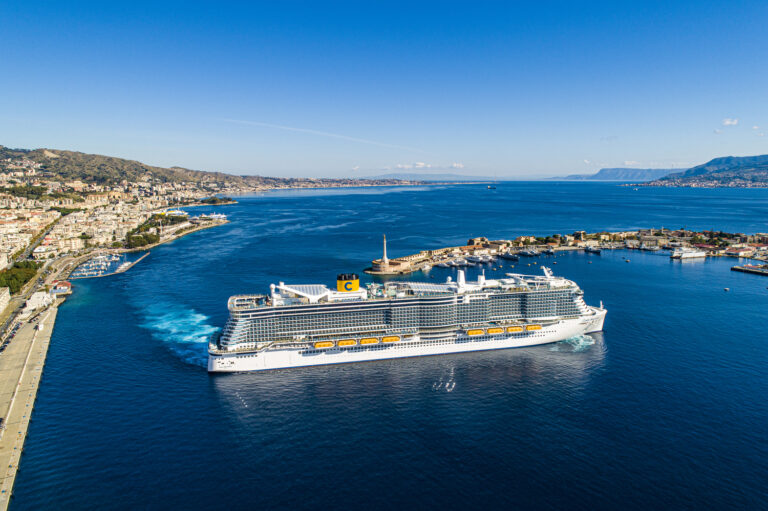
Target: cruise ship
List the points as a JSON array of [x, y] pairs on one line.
[[311, 324]]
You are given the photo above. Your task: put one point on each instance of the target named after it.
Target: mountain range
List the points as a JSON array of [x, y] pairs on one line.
[[109, 170], [727, 171], [620, 174]]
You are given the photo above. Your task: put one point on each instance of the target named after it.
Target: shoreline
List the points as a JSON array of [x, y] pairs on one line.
[[200, 205], [174, 237], [23, 378], [23, 362]]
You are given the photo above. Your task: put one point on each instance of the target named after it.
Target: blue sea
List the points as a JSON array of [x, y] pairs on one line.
[[666, 409]]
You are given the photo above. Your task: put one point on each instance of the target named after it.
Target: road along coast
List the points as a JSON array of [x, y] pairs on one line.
[[21, 368]]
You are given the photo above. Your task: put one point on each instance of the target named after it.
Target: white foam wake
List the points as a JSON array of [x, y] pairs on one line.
[[184, 331], [575, 344]]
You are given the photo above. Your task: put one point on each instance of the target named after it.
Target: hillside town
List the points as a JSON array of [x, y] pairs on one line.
[[50, 218]]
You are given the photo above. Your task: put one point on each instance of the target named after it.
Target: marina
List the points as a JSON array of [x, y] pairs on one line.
[[481, 251], [104, 265]]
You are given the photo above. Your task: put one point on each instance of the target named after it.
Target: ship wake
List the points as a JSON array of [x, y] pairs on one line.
[[184, 331], [577, 344]]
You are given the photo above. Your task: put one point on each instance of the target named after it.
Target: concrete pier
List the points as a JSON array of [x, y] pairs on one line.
[[21, 367]]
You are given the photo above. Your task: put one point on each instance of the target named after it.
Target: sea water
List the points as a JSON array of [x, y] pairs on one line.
[[666, 409]]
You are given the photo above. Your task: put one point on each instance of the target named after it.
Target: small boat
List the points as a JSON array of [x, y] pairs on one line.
[[509, 255], [529, 253], [592, 250], [549, 251]]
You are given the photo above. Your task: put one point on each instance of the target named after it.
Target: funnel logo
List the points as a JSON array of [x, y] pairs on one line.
[[347, 282]]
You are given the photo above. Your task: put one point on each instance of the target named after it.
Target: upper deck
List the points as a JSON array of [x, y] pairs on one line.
[[283, 295]]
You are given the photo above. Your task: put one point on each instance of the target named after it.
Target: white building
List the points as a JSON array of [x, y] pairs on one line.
[[38, 300], [5, 298]]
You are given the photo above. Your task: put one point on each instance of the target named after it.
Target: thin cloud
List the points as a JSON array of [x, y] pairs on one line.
[[717, 131], [587, 162], [630, 163], [420, 165], [755, 127], [322, 134], [730, 122]]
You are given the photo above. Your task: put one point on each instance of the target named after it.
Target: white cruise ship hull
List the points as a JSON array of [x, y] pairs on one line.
[[276, 358]]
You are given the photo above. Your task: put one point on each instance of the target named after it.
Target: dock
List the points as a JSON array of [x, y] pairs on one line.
[[121, 269], [757, 269], [21, 367]]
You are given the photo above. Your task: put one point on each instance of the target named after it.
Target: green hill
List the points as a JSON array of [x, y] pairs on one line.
[[108, 170], [727, 171], [95, 168]]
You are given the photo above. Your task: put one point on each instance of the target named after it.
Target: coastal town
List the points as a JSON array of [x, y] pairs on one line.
[[682, 243], [50, 228]]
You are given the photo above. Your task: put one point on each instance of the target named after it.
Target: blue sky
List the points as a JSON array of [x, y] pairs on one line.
[[517, 89]]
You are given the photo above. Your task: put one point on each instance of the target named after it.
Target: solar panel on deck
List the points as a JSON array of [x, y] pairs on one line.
[[426, 287], [308, 289]]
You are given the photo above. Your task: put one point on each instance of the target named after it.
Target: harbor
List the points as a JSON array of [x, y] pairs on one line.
[[29, 323], [104, 265], [680, 244], [120, 339]]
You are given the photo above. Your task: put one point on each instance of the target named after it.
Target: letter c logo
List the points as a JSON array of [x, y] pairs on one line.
[[348, 286]]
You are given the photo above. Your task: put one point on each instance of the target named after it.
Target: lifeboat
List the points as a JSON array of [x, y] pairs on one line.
[[476, 331], [533, 327], [324, 344], [390, 338], [369, 340], [495, 330], [514, 329], [346, 342]]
